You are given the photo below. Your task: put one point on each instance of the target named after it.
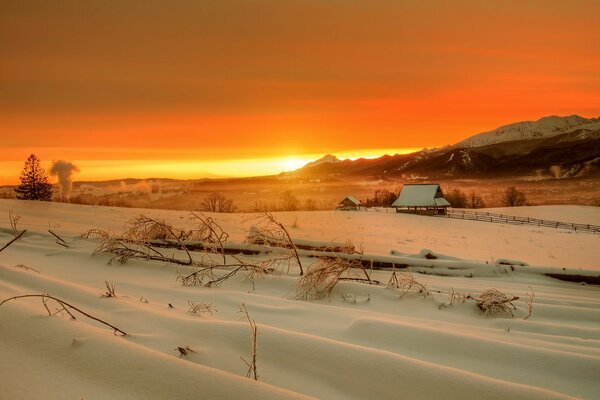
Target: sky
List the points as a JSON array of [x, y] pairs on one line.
[[190, 89]]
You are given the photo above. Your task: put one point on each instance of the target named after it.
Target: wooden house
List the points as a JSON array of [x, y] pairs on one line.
[[349, 203], [421, 199]]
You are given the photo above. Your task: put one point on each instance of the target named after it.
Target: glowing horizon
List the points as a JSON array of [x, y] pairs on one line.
[[102, 170]]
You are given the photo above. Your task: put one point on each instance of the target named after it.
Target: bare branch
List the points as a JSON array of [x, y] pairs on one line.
[[26, 268], [14, 220], [273, 230], [65, 305], [406, 283], [529, 302], [254, 333], [13, 239], [323, 275], [209, 231], [59, 240]]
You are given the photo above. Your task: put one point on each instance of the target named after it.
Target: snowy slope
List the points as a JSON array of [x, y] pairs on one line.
[[375, 344], [543, 128]]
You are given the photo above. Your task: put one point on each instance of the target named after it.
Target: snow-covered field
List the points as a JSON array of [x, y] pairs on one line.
[[365, 341]]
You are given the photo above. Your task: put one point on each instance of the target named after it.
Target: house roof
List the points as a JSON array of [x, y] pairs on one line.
[[352, 199], [429, 195]]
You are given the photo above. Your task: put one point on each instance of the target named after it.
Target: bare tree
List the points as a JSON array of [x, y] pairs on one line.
[[475, 201], [310, 205], [512, 197], [457, 198], [289, 202], [217, 202]]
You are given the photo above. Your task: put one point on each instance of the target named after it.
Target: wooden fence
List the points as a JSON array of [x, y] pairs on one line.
[[514, 220]]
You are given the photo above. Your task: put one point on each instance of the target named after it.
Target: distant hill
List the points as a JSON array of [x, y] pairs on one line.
[[553, 146]]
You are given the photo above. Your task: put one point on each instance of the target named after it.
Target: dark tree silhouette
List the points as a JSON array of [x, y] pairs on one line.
[[512, 197], [34, 182], [216, 202]]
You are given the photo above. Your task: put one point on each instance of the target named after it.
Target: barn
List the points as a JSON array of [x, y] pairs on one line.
[[349, 203], [421, 199]]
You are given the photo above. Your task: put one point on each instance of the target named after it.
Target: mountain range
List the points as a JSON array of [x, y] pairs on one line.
[[553, 146]]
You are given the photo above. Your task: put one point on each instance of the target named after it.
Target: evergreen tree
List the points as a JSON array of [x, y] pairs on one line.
[[34, 182]]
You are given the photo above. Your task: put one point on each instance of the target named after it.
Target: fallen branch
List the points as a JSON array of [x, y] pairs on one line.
[[59, 240], [26, 268], [65, 305], [13, 240]]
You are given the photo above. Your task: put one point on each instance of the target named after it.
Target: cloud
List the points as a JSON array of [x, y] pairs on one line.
[[64, 170]]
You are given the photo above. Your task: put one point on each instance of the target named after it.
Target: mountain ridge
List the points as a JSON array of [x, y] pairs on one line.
[[539, 148]]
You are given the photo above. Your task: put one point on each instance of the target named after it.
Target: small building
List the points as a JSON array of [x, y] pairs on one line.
[[349, 203], [421, 199]]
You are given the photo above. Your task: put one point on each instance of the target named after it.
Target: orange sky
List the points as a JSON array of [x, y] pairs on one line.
[[130, 88]]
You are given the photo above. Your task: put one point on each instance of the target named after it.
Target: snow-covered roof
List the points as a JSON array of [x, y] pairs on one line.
[[352, 199], [441, 202], [429, 195]]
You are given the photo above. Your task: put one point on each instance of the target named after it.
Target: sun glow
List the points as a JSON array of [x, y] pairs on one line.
[[97, 170]]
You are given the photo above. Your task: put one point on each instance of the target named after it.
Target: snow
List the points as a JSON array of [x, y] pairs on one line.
[[543, 128], [378, 346]]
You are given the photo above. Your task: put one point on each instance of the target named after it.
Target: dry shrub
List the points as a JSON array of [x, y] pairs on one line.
[[322, 277], [406, 283], [145, 229], [492, 301], [96, 234], [214, 275], [529, 302], [269, 230], [137, 240], [457, 297], [14, 221], [110, 290], [198, 308]]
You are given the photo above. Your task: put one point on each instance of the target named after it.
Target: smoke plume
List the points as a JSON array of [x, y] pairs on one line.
[[64, 170]]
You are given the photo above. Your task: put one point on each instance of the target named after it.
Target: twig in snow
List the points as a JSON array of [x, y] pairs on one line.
[[529, 302], [14, 220], [197, 308], [26, 268], [110, 290], [254, 332], [59, 240], [14, 239], [66, 306], [183, 351]]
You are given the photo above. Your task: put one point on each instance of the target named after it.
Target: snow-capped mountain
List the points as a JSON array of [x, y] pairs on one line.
[[570, 145], [327, 159], [541, 129]]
